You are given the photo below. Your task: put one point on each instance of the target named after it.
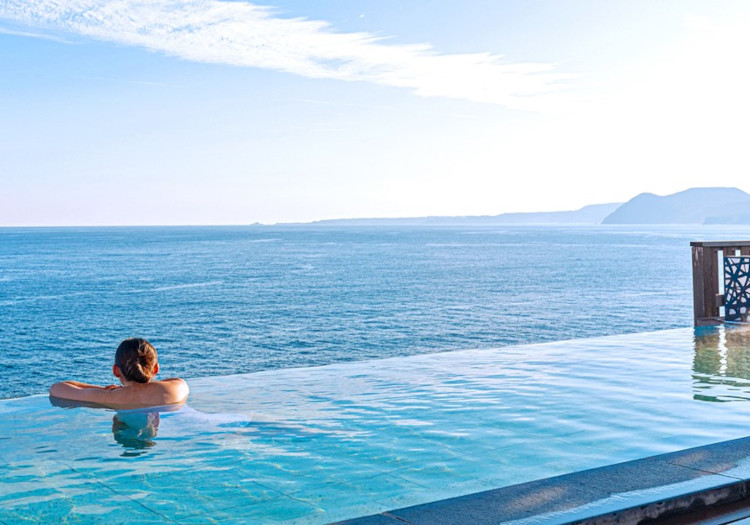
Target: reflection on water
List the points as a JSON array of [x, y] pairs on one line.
[[721, 365], [135, 430]]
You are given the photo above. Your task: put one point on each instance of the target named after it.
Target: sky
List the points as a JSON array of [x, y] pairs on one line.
[[137, 112]]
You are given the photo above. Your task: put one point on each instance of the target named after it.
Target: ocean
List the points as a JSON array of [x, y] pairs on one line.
[[226, 300]]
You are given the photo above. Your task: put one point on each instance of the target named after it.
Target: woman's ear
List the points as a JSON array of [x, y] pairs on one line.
[[156, 368], [116, 371]]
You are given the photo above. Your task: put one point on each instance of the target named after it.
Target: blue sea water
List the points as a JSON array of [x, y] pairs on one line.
[[226, 300]]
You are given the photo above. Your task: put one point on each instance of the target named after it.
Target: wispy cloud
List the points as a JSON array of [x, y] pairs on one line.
[[340, 104], [245, 34], [6, 31]]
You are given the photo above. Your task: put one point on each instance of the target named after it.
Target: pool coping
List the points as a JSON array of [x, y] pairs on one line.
[[707, 484]]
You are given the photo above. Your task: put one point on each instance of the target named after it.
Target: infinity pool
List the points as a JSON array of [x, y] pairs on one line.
[[316, 445]]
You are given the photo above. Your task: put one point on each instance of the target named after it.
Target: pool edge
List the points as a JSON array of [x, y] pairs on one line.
[[687, 486]]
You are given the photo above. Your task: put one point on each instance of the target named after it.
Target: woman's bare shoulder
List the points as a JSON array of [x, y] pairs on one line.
[[173, 383], [176, 387]]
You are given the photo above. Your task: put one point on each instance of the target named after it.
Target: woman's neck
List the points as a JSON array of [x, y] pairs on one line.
[[135, 384]]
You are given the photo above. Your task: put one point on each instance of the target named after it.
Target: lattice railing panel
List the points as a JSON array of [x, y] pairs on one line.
[[736, 288]]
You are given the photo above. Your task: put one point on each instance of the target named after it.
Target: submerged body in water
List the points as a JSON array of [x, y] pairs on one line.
[[136, 365]]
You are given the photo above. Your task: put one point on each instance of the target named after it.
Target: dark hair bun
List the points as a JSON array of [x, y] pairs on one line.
[[136, 359]]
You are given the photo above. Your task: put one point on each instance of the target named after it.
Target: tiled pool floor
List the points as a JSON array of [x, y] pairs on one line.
[[323, 444]]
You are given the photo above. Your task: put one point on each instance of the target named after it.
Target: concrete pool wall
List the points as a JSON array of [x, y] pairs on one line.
[[702, 484]]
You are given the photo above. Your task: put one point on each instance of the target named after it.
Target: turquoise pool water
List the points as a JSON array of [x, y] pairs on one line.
[[314, 445]]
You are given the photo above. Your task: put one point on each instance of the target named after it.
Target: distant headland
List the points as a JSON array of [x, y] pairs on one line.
[[692, 206]]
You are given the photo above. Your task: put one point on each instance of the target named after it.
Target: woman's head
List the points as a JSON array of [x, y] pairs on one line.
[[136, 360]]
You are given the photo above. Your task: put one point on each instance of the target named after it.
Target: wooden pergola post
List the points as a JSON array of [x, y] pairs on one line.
[[706, 274]]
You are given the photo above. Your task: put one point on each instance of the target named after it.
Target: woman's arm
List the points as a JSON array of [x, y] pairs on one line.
[[77, 391]]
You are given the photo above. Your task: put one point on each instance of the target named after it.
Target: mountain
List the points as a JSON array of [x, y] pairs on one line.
[[693, 206], [592, 214], [730, 218]]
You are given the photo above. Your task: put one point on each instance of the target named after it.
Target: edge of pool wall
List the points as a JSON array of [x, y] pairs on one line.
[[709, 484]]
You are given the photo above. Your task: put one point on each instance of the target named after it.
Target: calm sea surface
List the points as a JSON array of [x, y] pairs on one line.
[[224, 300]]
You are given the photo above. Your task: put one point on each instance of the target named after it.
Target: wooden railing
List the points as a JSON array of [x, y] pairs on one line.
[[708, 269]]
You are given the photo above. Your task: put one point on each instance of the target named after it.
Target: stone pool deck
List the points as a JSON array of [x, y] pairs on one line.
[[707, 485]]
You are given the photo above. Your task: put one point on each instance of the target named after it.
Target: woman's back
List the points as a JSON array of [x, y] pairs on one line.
[[135, 366]]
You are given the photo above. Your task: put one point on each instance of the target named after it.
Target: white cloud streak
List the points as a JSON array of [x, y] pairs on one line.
[[244, 34], [13, 32]]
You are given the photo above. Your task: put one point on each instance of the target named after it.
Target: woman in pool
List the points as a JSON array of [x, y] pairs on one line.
[[135, 366]]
